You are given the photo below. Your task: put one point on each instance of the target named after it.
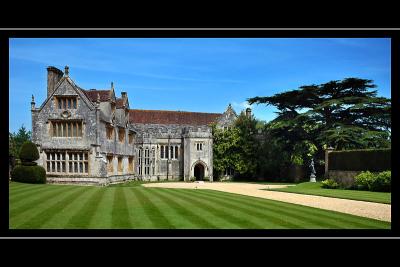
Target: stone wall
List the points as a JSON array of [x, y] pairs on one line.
[[90, 180], [95, 115], [345, 178]]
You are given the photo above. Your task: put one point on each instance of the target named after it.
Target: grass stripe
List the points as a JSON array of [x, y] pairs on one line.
[[35, 200], [21, 196], [216, 210], [137, 215], [16, 187], [329, 218], [152, 212], [182, 211], [83, 217], [280, 216], [272, 216], [120, 213], [24, 188], [103, 218], [267, 218], [47, 214], [61, 219]]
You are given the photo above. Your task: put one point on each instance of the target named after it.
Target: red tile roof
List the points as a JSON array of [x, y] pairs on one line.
[[120, 103], [92, 95], [171, 117]]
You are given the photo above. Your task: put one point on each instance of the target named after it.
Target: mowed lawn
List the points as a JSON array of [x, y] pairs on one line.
[[316, 189], [137, 207]]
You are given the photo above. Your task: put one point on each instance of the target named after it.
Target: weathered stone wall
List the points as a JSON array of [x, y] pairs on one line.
[[84, 180], [345, 178], [96, 115], [41, 125], [153, 136], [193, 156], [227, 118]]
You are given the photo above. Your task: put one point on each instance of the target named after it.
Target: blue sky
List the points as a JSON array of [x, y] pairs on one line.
[[192, 74]]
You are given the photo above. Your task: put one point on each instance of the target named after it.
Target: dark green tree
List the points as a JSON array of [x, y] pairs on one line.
[[247, 146], [236, 148], [345, 114], [16, 140], [342, 114]]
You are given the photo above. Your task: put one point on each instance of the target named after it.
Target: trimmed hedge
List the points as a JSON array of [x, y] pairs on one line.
[[28, 152], [28, 163], [29, 174], [374, 160], [380, 182]]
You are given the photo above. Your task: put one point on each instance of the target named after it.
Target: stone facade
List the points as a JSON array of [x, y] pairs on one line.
[[93, 137]]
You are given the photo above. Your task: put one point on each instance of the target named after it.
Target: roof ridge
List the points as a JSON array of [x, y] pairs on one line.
[[181, 111], [93, 89], [143, 116]]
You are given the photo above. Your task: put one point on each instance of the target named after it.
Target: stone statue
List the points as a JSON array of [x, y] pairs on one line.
[[313, 172]]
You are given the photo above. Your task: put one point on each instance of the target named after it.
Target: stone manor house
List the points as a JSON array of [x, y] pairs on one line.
[[92, 136]]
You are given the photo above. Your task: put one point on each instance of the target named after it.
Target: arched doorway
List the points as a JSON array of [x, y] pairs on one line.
[[199, 172]]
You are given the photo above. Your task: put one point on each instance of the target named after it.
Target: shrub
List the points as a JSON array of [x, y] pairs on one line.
[[25, 163], [29, 174], [364, 180], [29, 152], [329, 183], [380, 182]]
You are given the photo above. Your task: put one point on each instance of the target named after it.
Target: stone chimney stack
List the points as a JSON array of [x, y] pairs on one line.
[[53, 77], [248, 112]]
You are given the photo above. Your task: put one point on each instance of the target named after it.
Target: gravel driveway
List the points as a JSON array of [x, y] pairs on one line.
[[372, 210]]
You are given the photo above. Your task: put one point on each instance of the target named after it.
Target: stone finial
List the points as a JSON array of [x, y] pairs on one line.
[[66, 71], [112, 85], [33, 102], [98, 98]]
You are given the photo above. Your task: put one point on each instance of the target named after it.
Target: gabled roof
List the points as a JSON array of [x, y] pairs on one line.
[[92, 94], [79, 90], [171, 117]]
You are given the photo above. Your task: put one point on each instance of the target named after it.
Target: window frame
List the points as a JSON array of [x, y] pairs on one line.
[[64, 162]]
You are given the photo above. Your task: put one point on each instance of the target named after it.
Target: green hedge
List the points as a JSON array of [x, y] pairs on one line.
[[29, 152], [374, 160], [380, 182], [29, 174]]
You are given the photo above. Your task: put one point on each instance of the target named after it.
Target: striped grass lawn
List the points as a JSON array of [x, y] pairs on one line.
[[137, 207]]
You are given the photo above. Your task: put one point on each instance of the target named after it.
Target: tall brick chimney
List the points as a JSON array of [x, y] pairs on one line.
[[53, 77], [248, 112]]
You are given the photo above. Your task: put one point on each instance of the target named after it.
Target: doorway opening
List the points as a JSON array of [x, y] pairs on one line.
[[199, 172]]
